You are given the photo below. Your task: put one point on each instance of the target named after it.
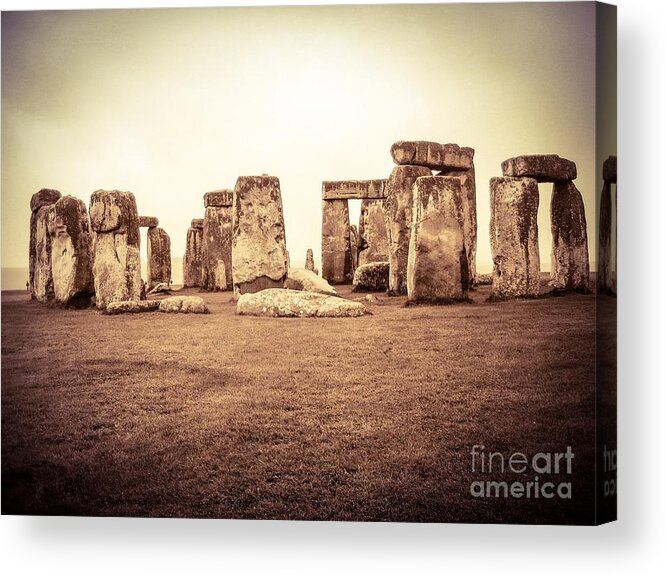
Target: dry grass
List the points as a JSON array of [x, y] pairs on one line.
[[219, 415]]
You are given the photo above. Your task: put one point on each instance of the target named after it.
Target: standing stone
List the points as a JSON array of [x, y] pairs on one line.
[[71, 253], [193, 255], [259, 245], [44, 197], [398, 213], [221, 276], [353, 246], [159, 257], [116, 257], [309, 260], [437, 268], [217, 233], [373, 239], [604, 277], [43, 274], [514, 237], [570, 264], [336, 256]]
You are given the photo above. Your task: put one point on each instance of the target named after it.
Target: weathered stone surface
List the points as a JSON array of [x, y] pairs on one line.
[[216, 246], [43, 289], [353, 190], [160, 288], [131, 306], [373, 239], [309, 281], [398, 212], [219, 199], [514, 237], [604, 274], [159, 257], [610, 170], [148, 222], [570, 264], [42, 198], [259, 244], [116, 259], [468, 183], [484, 279], [193, 257], [71, 253], [292, 303], [432, 155], [541, 167], [373, 276], [309, 260], [197, 223], [183, 304], [437, 268], [336, 257], [353, 246], [221, 276]]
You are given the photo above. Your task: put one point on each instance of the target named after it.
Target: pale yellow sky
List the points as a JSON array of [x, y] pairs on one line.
[[171, 103]]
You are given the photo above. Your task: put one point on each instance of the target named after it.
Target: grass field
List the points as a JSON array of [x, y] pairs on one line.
[[218, 415]]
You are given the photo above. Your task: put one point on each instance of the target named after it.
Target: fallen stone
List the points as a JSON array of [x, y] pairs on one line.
[[373, 276], [71, 253], [336, 257], [159, 257], [131, 306], [160, 288], [43, 289], [219, 199], [570, 265], [216, 245], [432, 155], [437, 269], [514, 237], [291, 303], [398, 212], [183, 304], [541, 167], [148, 222], [373, 238], [309, 261], [354, 190], [310, 281], [192, 260], [610, 170], [116, 258], [259, 246]]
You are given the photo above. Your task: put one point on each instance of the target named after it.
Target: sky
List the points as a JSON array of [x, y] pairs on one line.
[[172, 103]]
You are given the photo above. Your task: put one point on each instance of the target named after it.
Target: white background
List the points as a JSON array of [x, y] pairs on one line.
[[635, 543]]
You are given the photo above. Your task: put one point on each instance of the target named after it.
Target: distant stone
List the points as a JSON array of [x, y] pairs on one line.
[[192, 260], [116, 259], [183, 304], [160, 288], [437, 269], [353, 246], [309, 261], [131, 306], [514, 237], [43, 289], [148, 222], [159, 257], [291, 303], [197, 223], [354, 190], [373, 276], [336, 256], [259, 246], [44, 197], [610, 170], [71, 253], [310, 281], [216, 244], [541, 167], [373, 238], [398, 212], [432, 155], [605, 283], [219, 199]]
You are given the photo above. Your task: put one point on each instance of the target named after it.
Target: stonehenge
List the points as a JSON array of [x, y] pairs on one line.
[[193, 258], [40, 278], [606, 272], [159, 257], [258, 243], [217, 237]]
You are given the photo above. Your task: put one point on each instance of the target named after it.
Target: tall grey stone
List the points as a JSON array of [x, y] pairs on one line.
[[42, 198], [570, 264], [43, 274], [373, 238], [217, 238], [114, 221], [259, 245], [193, 256], [71, 253], [159, 257], [437, 268], [514, 237], [309, 260], [353, 246], [336, 256], [398, 212]]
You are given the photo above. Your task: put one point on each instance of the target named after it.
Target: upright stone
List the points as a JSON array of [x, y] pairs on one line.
[[437, 268], [398, 212], [193, 255], [309, 260], [432, 155], [43, 274], [43, 198], [116, 257], [570, 264], [610, 170], [336, 256], [514, 237], [217, 233], [373, 239], [259, 246], [604, 276], [71, 253], [353, 246], [159, 257]]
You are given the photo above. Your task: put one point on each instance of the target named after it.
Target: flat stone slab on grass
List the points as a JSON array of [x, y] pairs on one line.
[[131, 306], [292, 303], [432, 155], [183, 304], [541, 167]]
